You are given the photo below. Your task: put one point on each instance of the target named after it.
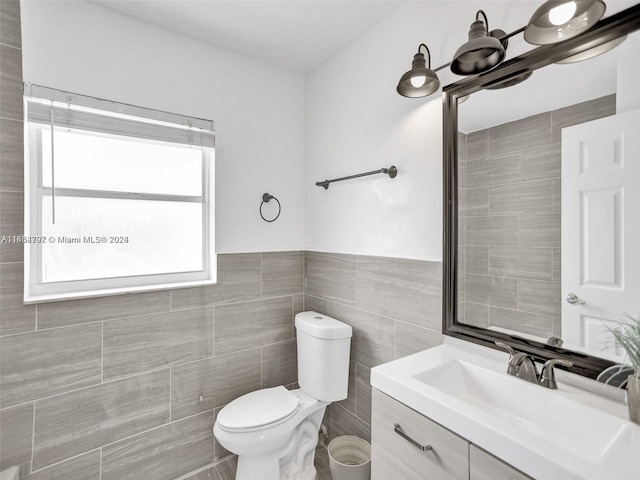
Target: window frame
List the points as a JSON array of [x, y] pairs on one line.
[[35, 290]]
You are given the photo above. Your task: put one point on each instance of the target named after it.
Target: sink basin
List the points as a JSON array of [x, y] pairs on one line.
[[569, 433], [529, 408]]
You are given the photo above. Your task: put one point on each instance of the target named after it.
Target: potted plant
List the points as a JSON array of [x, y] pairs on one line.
[[627, 335]]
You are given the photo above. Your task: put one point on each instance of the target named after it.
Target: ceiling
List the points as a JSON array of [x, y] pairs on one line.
[[298, 35]]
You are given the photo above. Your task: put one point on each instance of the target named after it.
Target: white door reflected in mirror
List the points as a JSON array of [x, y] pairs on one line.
[[600, 230]]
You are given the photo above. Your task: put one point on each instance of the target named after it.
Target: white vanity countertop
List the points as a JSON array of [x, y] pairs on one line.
[[565, 434]]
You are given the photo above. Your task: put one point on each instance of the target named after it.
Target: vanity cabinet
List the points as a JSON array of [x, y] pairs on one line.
[[393, 456], [485, 466], [450, 457]]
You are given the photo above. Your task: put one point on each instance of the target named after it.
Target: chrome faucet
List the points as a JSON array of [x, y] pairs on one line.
[[555, 341], [548, 374], [522, 366]]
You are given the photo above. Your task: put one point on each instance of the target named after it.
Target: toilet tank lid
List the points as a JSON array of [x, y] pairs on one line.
[[322, 326]]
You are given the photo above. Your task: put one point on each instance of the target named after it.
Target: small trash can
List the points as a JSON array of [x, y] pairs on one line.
[[349, 458]]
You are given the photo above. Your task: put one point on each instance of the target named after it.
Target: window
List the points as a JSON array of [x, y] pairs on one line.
[[118, 198]]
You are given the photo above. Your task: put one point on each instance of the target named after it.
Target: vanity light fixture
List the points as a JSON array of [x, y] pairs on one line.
[[557, 20], [553, 21], [482, 51], [420, 81], [593, 52], [514, 79]]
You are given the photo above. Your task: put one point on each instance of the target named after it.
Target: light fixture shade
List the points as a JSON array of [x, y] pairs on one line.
[[519, 77], [419, 70], [558, 20], [480, 53], [594, 52]]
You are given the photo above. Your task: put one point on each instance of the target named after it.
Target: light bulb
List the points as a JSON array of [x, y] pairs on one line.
[[562, 13], [418, 81]]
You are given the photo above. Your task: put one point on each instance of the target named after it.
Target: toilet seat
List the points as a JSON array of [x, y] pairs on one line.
[[258, 409]]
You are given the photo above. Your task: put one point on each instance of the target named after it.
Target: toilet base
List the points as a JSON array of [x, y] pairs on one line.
[[285, 451], [262, 468], [294, 462], [310, 473], [258, 468]]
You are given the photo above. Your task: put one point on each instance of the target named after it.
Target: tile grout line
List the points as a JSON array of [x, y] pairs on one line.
[[213, 332], [33, 436], [293, 315], [43, 330], [95, 385], [164, 312], [60, 462], [355, 385], [11, 262], [304, 274], [12, 46], [357, 276], [395, 339], [102, 353], [126, 317], [138, 434], [15, 120]]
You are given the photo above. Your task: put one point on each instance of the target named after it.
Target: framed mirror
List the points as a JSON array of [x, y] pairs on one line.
[[530, 252]]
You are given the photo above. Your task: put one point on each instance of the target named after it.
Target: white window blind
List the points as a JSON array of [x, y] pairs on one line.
[[119, 198]]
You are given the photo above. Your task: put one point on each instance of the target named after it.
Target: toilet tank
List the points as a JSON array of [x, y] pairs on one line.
[[323, 356]]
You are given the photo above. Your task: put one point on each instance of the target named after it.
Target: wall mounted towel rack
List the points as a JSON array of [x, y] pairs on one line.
[[392, 171], [266, 198]]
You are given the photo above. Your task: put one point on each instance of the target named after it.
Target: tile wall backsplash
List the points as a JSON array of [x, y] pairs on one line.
[[123, 391], [99, 388], [509, 217], [129, 386], [394, 307]]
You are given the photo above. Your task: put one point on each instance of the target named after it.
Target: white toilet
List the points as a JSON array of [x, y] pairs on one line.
[[274, 431]]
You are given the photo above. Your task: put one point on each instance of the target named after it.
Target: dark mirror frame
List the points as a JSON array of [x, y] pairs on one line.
[[608, 29]]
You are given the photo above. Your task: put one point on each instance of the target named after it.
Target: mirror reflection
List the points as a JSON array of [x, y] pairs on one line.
[[548, 185]]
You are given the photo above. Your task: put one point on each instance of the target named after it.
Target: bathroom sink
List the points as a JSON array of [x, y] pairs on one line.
[[528, 408], [569, 433]]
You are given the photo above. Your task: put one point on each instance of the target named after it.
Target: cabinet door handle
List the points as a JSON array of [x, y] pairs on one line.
[[398, 429]]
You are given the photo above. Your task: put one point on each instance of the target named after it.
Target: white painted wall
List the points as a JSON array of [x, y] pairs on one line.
[[258, 108], [356, 122], [277, 133]]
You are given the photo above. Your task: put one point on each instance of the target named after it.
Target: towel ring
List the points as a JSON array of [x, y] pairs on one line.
[[266, 198]]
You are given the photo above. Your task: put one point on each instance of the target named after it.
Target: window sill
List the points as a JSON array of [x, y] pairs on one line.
[[58, 297]]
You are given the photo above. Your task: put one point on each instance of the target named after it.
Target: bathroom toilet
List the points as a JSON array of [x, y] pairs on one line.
[[274, 431]]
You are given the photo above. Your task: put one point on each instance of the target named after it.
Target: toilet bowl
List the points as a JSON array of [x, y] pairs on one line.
[[264, 450], [274, 431]]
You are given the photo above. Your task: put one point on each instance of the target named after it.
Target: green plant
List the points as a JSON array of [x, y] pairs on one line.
[[627, 334]]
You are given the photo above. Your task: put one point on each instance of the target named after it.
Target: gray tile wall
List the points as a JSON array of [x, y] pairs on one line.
[[394, 307], [509, 213], [128, 386]]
